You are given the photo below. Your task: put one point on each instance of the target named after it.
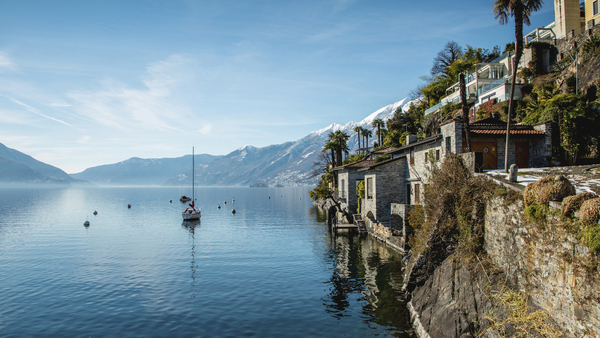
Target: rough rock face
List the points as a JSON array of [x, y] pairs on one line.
[[453, 303]]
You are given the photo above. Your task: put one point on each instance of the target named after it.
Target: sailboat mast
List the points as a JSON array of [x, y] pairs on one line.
[[193, 179]]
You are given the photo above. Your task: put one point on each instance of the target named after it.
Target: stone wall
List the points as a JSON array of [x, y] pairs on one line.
[[449, 132], [387, 189], [547, 263], [540, 153], [350, 200]]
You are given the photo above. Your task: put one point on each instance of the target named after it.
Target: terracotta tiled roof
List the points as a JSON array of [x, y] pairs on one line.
[[503, 132]]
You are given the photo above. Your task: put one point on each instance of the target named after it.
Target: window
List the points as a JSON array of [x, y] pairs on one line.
[[412, 156], [370, 188], [437, 155], [408, 194], [343, 189], [595, 7], [417, 194], [426, 157], [448, 144]]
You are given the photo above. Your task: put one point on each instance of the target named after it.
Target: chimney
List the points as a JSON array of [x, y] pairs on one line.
[[411, 139]]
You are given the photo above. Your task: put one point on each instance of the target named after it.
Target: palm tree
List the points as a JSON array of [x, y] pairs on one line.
[[341, 139], [381, 134], [378, 123], [366, 134], [462, 66], [358, 130], [331, 146], [520, 10]]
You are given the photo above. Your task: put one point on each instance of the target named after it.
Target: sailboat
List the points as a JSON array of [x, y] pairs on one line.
[[191, 213]]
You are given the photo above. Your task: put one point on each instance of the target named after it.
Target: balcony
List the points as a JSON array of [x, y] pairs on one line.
[[452, 98], [491, 86]]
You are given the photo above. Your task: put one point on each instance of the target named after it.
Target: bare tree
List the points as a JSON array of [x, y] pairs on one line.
[[450, 53]]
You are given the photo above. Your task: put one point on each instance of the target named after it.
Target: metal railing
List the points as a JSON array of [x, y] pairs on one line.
[[491, 86]]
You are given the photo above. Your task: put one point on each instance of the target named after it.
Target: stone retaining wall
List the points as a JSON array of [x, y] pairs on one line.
[[547, 263]]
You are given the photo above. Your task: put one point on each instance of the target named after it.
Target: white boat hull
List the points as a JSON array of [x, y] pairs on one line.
[[190, 215]]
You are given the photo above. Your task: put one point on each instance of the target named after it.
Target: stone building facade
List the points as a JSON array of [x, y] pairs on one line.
[[530, 145]]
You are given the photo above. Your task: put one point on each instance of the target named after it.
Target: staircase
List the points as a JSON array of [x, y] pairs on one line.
[[360, 223]]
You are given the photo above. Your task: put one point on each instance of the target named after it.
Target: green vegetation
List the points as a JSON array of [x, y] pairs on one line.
[[537, 213], [354, 158], [452, 207], [382, 158]]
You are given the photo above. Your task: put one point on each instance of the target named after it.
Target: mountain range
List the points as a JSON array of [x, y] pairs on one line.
[[16, 167], [289, 163]]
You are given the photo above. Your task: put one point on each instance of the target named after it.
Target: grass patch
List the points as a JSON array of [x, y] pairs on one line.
[[521, 320]]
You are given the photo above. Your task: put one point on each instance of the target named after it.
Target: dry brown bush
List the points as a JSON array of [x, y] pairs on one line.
[[590, 211], [550, 188], [572, 204]]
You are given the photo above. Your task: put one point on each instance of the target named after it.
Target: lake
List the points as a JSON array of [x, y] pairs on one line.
[[273, 269]]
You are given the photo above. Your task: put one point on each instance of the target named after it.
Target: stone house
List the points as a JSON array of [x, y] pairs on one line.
[[348, 177], [530, 145]]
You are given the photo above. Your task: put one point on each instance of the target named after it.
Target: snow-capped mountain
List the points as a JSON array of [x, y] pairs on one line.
[[290, 163]]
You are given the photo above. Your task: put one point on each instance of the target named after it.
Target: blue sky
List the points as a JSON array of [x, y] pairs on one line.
[[86, 83]]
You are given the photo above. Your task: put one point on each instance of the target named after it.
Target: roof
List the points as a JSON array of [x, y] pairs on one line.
[[503, 132], [383, 151], [373, 164], [414, 144], [489, 121], [359, 164]]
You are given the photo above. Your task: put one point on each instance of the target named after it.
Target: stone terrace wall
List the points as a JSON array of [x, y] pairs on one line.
[[548, 264]]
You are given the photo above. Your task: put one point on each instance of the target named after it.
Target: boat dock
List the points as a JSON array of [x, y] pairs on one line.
[[358, 225]]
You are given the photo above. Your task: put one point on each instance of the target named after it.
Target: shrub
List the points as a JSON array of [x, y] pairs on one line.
[[550, 188], [571, 204], [590, 211]]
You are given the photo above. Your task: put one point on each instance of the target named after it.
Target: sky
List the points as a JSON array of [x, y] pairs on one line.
[[87, 83]]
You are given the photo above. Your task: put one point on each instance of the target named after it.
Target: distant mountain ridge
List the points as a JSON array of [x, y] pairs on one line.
[[139, 171], [16, 167], [289, 163]]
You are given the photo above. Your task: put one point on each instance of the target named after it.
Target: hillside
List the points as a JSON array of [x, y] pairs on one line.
[[289, 163], [16, 167], [139, 171]]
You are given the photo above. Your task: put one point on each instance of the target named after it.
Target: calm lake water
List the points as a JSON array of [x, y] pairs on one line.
[[271, 270]]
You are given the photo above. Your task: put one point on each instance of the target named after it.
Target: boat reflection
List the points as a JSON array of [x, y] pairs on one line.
[[191, 227]]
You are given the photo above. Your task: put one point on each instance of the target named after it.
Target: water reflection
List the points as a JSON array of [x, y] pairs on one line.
[[368, 273], [191, 227]]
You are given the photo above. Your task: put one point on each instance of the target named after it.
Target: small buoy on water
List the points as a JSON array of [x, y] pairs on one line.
[[128, 206], [233, 211], [218, 207], [95, 213], [269, 197], [233, 199], [86, 223], [170, 201], [224, 202]]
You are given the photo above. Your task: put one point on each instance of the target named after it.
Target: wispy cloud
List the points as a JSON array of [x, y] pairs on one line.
[[150, 108], [5, 62], [36, 111]]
